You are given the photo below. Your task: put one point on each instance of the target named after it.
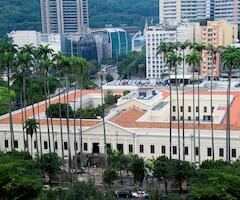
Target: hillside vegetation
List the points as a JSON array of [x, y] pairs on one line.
[[25, 14]]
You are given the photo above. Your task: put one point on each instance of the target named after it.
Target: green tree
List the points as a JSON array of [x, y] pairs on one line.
[[19, 178], [183, 46], [163, 49], [50, 164], [31, 126], [137, 167], [193, 61], [83, 190], [173, 61], [109, 176], [230, 60], [7, 58], [109, 78], [162, 171], [181, 171], [200, 48]]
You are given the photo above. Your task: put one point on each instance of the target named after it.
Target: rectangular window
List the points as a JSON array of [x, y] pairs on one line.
[[152, 148], [205, 109], [16, 144], [76, 145], [174, 108], [174, 118], [197, 151], [213, 109], [65, 144], [197, 109], [234, 153], [6, 143], [141, 148], [85, 146], [56, 145], [120, 148], [35, 144], [209, 151], [186, 151], [189, 109], [163, 149], [45, 144], [221, 152], [174, 150], [26, 144], [181, 108], [189, 118], [130, 148]]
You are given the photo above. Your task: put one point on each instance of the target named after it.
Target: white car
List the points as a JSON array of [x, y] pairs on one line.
[[139, 194]]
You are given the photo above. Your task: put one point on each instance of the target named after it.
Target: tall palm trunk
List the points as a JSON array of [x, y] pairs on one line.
[[80, 117], [10, 109], [170, 115], [25, 106], [60, 117], [211, 102], [36, 138], [194, 128], [68, 133], [176, 82], [23, 120], [74, 128], [199, 131], [104, 125], [183, 106], [40, 129], [31, 147], [46, 105], [228, 130], [51, 119]]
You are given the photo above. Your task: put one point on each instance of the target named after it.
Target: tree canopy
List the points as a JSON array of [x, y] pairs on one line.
[[22, 15]]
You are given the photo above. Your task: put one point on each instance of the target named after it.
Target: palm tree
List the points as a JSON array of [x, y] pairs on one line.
[[80, 70], [31, 126], [193, 60], [7, 58], [43, 54], [199, 47], [213, 52], [102, 76], [173, 61], [61, 62], [183, 46], [165, 48], [230, 60]]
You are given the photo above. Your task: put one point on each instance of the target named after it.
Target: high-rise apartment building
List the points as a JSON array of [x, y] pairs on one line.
[[217, 33], [64, 16], [227, 10], [176, 11], [155, 65]]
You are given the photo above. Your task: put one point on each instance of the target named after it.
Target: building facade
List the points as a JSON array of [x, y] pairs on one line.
[[155, 65], [35, 38], [140, 126], [112, 42], [64, 16], [227, 10], [79, 44], [216, 33], [175, 11]]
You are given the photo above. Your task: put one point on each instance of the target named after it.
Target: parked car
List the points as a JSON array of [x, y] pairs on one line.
[[139, 194], [123, 193]]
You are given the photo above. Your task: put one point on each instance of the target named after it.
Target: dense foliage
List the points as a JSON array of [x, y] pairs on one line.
[[133, 65], [25, 14], [4, 99], [19, 178]]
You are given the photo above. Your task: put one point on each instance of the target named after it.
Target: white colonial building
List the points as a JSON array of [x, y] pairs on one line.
[[139, 125]]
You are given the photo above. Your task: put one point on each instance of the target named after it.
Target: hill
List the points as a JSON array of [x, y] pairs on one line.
[[25, 14]]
